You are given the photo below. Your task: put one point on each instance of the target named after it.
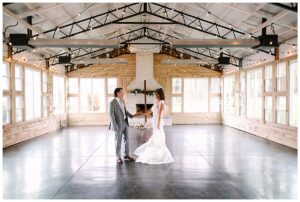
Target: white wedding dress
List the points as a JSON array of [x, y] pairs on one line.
[[155, 151]]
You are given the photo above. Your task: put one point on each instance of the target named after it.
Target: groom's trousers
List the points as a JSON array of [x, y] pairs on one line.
[[119, 134]]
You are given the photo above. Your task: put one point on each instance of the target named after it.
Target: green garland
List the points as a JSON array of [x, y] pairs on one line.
[[137, 91]]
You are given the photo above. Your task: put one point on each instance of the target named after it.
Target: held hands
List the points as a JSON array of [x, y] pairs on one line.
[[138, 114]]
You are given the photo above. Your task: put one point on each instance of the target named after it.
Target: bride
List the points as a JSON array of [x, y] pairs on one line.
[[155, 151]]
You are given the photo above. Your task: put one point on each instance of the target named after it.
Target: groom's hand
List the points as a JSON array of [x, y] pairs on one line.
[[137, 114]]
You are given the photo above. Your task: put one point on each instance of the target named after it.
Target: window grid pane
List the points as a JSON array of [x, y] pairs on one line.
[[92, 95], [176, 85], [268, 78], [215, 86], [176, 104], [293, 93], [111, 85], [73, 103], [242, 94], [229, 101], [281, 76], [18, 78], [196, 95], [58, 95], [6, 76], [19, 108], [281, 109], [268, 108], [6, 110], [45, 82], [73, 85], [215, 104], [254, 94], [45, 106]]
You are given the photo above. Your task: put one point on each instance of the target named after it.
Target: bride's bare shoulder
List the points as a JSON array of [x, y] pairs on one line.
[[162, 102]]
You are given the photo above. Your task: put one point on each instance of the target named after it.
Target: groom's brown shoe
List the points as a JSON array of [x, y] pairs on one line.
[[120, 161], [128, 158]]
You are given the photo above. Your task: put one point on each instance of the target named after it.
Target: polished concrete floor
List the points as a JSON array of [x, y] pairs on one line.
[[211, 162]]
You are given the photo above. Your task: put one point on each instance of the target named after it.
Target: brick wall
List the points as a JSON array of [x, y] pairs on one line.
[[19, 132]]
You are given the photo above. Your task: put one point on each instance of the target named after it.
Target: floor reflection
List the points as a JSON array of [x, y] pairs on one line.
[[211, 161]]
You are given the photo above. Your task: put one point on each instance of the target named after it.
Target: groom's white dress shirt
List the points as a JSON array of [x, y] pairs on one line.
[[121, 103]]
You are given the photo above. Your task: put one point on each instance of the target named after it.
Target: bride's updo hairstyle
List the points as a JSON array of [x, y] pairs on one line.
[[159, 92]]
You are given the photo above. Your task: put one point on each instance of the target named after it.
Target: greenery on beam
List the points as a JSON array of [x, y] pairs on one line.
[[138, 91]]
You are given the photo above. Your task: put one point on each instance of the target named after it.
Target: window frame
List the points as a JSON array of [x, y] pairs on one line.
[[41, 101]]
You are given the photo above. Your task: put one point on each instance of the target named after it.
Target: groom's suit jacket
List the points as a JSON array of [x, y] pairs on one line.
[[117, 117]]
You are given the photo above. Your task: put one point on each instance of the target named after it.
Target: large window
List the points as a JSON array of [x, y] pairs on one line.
[[92, 95], [243, 94], [6, 76], [19, 78], [254, 94], [195, 95], [33, 93], [176, 94], [268, 78], [229, 94], [58, 95], [281, 76], [293, 117], [6, 109], [45, 106]]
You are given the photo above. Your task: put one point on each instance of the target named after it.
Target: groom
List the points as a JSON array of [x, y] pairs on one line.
[[119, 123]]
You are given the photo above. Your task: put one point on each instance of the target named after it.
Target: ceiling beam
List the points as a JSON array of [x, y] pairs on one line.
[[146, 23], [41, 15], [39, 10], [21, 21], [217, 43], [255, 13], [248, 14], [96, 18], [269, 21], [99, 61], [24, 23], [191, 21], [289, 8], [75, 43]]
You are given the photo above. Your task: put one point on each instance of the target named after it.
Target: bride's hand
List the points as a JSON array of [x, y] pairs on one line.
[[158, 126]]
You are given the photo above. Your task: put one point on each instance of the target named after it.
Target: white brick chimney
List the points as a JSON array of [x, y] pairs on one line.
[[144, 71]]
